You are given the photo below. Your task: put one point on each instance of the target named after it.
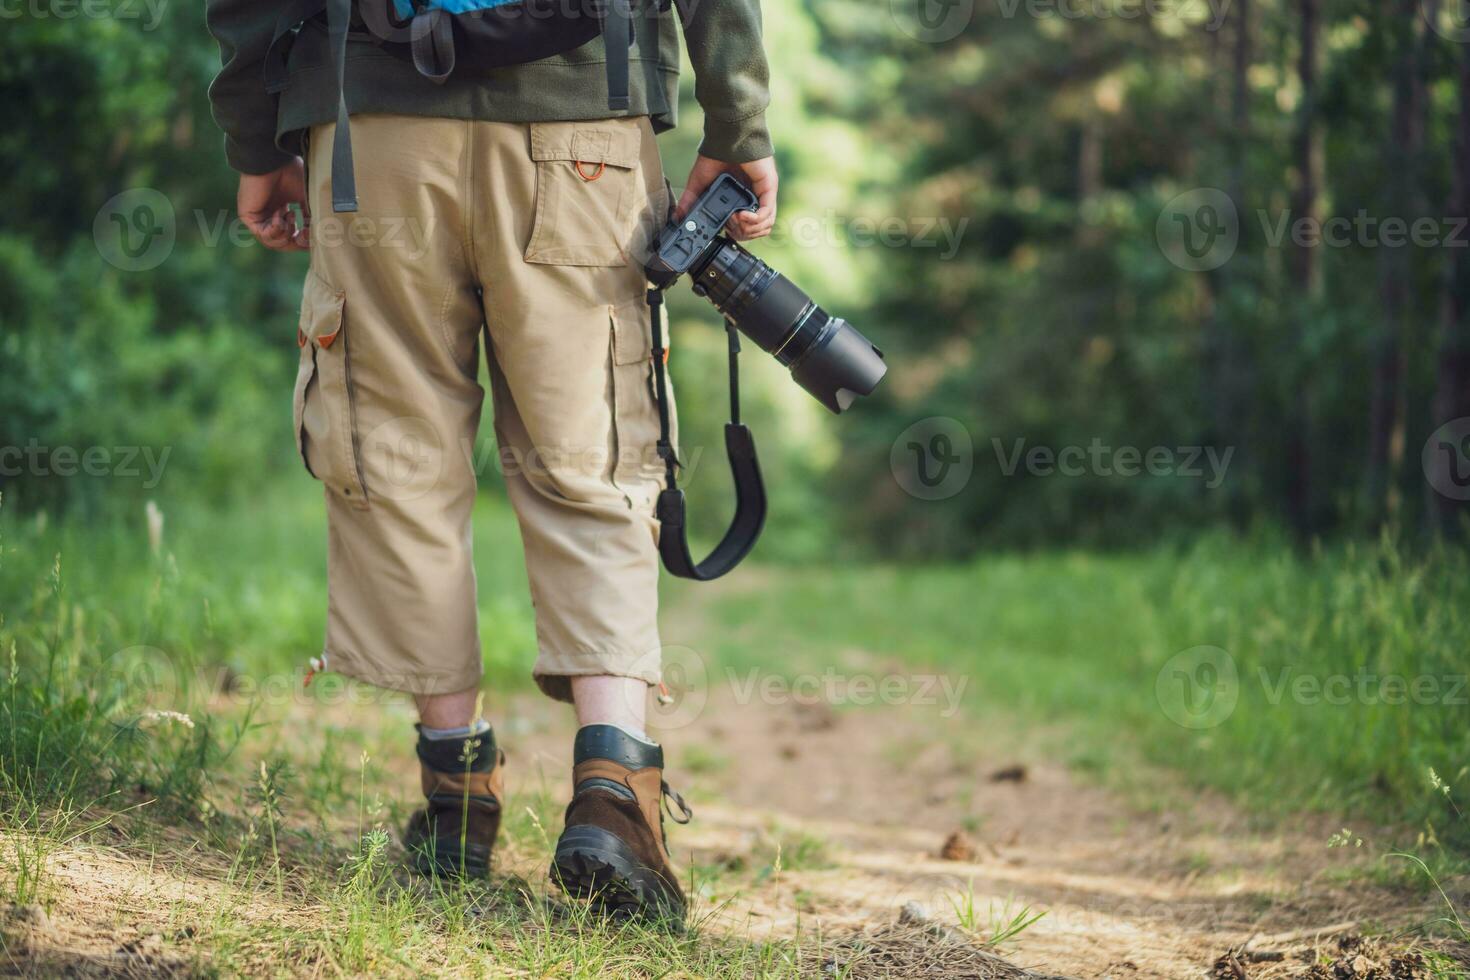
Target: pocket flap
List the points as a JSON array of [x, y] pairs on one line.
[[585, 143], [321, 312], [632, 337]]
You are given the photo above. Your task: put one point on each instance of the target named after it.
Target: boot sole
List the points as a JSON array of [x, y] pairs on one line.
[[595, 864]]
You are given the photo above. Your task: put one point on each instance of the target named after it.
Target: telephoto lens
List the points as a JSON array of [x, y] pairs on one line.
[[826, 356]]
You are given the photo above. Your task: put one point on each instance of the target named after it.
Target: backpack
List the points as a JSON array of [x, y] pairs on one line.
[[441, 37]]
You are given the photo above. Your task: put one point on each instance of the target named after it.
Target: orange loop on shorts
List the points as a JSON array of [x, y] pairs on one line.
[[583, 174], [300, 337]]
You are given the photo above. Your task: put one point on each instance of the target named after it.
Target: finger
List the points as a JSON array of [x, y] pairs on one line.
[[757, 219], [686, 201], [765, 192], [754, 226], [296, 241], [301, 228], [278, 231], [270, 232]]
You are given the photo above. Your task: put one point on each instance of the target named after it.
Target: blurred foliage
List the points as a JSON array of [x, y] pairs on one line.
[[1060, 132], [1044, 139]]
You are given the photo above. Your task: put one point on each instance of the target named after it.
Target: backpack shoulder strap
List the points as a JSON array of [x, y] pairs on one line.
[[617, 27], [344, 177]]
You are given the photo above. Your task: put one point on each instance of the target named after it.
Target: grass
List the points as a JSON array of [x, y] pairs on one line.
[[1332, 681], [998, 923], [147, 684], [142, 683]]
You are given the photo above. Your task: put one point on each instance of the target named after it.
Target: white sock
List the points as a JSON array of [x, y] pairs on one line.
[[480, 727]]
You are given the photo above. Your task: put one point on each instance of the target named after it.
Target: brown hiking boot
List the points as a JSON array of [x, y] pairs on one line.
[[613, 849], [455, 834]]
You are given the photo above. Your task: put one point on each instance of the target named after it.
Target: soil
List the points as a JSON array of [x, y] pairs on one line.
[[904, 838]]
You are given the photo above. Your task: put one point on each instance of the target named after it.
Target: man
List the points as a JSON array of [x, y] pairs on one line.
[[507, 202]]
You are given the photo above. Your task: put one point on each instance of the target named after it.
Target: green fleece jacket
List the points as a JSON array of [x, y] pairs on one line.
[[262, 131]]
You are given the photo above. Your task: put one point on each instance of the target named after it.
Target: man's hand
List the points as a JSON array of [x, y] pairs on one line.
[[760, 175], [264, 201]]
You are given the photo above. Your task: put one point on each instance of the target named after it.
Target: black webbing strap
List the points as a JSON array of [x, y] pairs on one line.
[[431, 40], [750, 491], [344, 179], [617, 27]]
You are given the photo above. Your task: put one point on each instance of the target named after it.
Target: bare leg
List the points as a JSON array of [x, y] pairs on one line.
[[455, 710], [602, 699]]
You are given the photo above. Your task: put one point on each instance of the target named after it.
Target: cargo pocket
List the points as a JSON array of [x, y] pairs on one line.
[[326, 430], [637, 470], [587, 186]]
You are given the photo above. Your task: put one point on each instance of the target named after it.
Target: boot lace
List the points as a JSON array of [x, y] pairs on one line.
[[669, 793]]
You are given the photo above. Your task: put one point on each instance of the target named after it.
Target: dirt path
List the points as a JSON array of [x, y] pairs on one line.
[[863, 802], [859, 804]]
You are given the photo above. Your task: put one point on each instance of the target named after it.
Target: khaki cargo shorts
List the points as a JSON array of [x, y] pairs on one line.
[[529, 235]]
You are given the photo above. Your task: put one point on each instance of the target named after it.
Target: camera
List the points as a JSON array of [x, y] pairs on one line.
[[826, 356]]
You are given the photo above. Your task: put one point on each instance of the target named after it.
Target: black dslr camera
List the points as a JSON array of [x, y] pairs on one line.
[[827, 357]]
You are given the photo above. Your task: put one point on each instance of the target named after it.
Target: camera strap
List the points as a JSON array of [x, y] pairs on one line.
[[750, 491]]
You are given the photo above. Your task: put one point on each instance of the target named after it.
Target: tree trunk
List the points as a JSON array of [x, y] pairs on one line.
[[1305, 271], [1226, 388], [1403, 144], [1447, 457]]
